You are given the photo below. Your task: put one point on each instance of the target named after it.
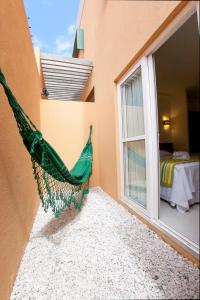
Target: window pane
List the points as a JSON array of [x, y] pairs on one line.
[[135, 171], [132, 106]]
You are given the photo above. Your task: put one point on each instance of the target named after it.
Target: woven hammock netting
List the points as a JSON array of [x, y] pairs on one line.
[[57, 186]]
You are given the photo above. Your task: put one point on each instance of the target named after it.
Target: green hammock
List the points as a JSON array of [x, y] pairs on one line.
[[57, 186]]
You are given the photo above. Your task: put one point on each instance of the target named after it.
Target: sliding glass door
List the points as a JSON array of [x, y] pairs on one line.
[[138, 94], [133, 139]]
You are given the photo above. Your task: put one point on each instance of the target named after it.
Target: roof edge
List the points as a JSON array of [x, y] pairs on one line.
[[80, 13], [81, 61], [78, 22]]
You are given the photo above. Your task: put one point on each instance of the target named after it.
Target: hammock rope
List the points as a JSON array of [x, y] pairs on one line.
[[58, 187]]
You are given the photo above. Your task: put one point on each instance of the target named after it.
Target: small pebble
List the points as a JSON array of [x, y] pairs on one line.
[[103, 252]]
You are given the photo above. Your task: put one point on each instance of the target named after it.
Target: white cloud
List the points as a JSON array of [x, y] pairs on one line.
[[37, 42], [63, 44], [71, 29]]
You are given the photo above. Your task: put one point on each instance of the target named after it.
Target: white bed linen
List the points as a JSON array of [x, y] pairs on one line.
[[185, 187]]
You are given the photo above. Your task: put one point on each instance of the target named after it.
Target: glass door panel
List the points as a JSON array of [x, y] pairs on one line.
[[133, 138], [135, 171], [132, 106]]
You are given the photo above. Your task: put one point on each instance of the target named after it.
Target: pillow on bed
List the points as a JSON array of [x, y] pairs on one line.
[[164, 153], [181, 155]]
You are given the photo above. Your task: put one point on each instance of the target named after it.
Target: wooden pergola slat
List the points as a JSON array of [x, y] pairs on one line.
[[65, 84], [65, 78], [64, 69]]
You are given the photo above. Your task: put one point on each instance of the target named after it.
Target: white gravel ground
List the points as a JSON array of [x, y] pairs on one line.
[[101, 253]]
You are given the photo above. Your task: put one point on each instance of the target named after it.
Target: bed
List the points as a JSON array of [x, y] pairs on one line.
[[184, 190]]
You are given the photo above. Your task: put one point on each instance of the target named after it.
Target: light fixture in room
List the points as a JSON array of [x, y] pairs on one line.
[[166, 122]]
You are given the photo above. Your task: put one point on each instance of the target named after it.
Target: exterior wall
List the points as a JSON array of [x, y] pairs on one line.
[[18, 192], [65, 124], [110, 43]]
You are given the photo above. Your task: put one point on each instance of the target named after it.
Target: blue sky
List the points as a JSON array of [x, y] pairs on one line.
[[53, 24]]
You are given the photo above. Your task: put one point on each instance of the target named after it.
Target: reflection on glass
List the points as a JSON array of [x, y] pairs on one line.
[[132, 106], [135, 171]]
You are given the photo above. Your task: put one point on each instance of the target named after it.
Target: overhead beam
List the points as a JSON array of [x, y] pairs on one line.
[[62, 89], [62, 93], [66, 93], [76, 61], [56, 84], [65, 65], [66, 72], [58, 75], [65, 78], [65, 99], [64, 81], [54, 78], [66, 69]]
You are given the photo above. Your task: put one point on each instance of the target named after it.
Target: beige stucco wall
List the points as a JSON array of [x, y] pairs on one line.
[[65, 124], [114, 32], [119, 30], [18, 193]]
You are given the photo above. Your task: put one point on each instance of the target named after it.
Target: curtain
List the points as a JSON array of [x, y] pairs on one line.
[[134, 151], [133, 116]]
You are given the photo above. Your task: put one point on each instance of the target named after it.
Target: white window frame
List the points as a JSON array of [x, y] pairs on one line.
[[143, 64], [152, 132]]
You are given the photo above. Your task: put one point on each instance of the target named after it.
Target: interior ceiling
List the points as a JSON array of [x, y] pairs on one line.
[[177, 61], [64, 78]]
